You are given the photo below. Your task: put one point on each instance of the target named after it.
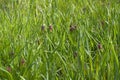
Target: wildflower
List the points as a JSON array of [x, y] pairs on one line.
[[51, 28], [22, 61], [99, 46], [8, 68]]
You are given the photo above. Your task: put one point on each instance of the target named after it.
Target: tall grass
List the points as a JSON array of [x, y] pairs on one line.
[[59, 40]]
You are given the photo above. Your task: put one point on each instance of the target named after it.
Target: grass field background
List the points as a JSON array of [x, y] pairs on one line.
[[59, 40]]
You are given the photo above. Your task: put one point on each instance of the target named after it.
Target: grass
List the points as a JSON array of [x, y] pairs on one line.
[[59, 39]]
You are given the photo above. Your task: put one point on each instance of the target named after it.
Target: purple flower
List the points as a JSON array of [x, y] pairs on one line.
[[99, 46], [51, 28], [22, 61], [8, 68]]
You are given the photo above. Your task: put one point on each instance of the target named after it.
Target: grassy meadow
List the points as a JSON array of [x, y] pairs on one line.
[[59, 39]]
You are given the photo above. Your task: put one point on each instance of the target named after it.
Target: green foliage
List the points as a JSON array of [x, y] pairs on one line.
[[59, 40]]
